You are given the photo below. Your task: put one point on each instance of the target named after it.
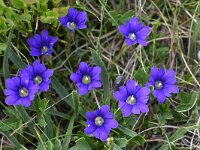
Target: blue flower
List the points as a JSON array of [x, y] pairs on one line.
[[132, 98], [163, 83], [74, 19], [20, 90], [100, 122], [86, 78], [41, 44], [134, 33], [39, 75]]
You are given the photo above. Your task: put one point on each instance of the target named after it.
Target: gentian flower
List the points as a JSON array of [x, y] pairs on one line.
[[39, 75], [132, 98], [41, 44], [74, 19], [163, 83], [100, 122], [134, 33], [20, 90], [86, 78]]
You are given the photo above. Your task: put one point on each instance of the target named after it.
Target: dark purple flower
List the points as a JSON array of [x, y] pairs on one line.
[[163, 83], [74, 19], [134, 32], [39, 75], [20, 90], [100, 122], [41, 44], [86, 78], [132, 98]]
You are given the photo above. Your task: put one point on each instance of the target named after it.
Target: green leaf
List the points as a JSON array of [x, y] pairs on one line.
[[68, 134], [141, 76], [40, 106], [138, 140], [121, 142], [193, 41], [162, 52], [6, 55], [23, 17], [13, 140], [9, 124], [19, 4], [26, 118], [16, 60], [61, 11], [49, 17], [127, 131], [75, 97], [178, 134], [181, 132], [50, 145], [116, 147], [29, 2], [82, 144], [118, 18], [104, 74], [43, 2], [188, 101], [2, 47], [3, 26], [57, 144], [126, 16]]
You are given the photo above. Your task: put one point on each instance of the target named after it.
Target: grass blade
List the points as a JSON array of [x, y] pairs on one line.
[[6, 71], [68, 134], [104, 74]]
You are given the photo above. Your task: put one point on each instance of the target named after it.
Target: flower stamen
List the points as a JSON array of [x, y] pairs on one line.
[[131, 100], [86, 79], [37, 80], [99, 121], [23, 92], [71, 25], [158, 85], [132, 36], [44, 49]]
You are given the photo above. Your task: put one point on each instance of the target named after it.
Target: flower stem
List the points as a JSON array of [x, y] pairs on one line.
[[96, 99]]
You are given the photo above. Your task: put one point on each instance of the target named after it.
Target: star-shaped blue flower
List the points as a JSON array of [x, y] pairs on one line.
[[39, 75], [20, 90], [163, 83], [132, 98], [86, 78], [74, 19], [100, 122], [41, 44], [134, 33]]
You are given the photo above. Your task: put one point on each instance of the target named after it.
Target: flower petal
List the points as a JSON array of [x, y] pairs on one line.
[[75, 77], [110, 123], [82, 89], [135, 109], [104, 109], [126, 110], [11, 100], [160, 95], [130, 85]]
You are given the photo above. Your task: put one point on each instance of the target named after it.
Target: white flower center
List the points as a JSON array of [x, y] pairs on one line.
[[86, 79], [44, 49], [131, 100], [99, 121], [23, 92], [158, 84], [71, 25], [132, 36], [37, 80]]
